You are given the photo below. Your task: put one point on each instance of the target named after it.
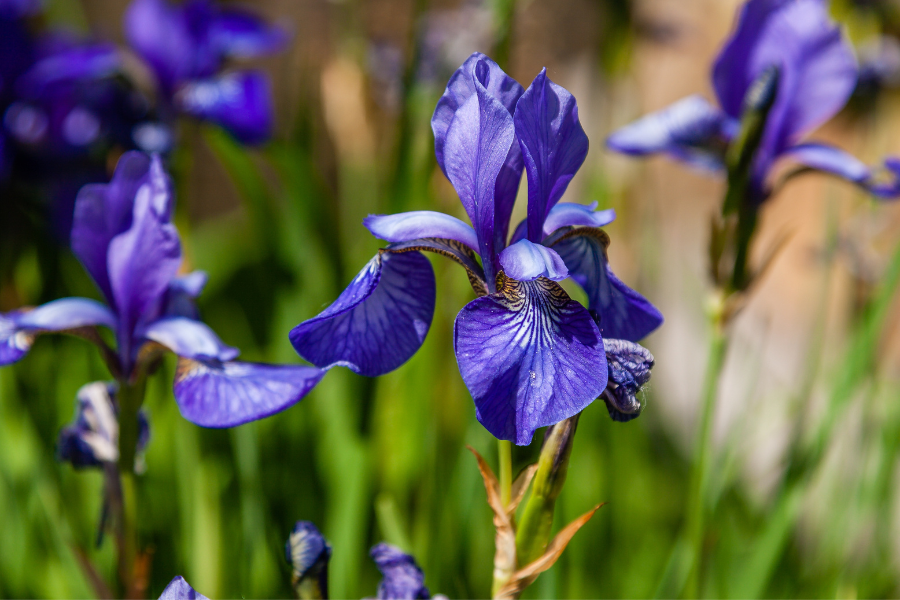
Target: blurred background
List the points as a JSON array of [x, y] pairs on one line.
[[805, 498]]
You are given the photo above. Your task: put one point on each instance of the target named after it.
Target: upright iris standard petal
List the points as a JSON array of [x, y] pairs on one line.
[[475, 150], [188, 338], [308, 553], [239, 34], [623, 313], [525, 261], [403, 579], [530, 356], [241, 102], [567, 214], [378, 322], [629, 369], [160, 33], [179, 589], [817, 68], [407, 226], [103, 211], [226, 394], [553, 144], [19, 328], [691, 130]]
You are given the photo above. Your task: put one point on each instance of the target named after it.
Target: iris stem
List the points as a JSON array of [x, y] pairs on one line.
[[130, 398], [505, 452], [700, 474]]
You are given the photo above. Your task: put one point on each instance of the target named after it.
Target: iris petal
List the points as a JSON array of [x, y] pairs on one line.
[[378, 322], [238, 34], [530, 356], [240, 102], [179, 589], [189, 338], [568, 213], [525, 261], [308, 553], [403, 579], [624, 314], [553, 144], [160, 33], [407, 226], [226, 394]]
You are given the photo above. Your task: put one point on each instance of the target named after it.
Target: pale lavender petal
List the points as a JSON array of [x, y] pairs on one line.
[[622, 312], [568, 213], [103, 211], [188, 338], [553, 144], [690, 130], [407, 226], [530, 356], [403, 579], [227, 394], [525, 261], [179, 589], [378, 322], [829, 159], [241, 102], [308, 553], [239, 34]]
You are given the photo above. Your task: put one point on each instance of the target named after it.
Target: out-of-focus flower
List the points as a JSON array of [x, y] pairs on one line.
[[124, 238], [187, 46], [308, 553], [529, 354], [879, 67], [93, 438], [403, 579], [815, 73], [179, 589]]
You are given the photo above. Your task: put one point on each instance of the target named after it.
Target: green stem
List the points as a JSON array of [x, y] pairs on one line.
[[505, 452], [130, 398], [699, 476]]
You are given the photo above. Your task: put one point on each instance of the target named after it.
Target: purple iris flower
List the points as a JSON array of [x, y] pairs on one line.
[[124, 238], [308, 553], [817, 73], [530, 355], [179, 589], [187, 45], [403, 579]]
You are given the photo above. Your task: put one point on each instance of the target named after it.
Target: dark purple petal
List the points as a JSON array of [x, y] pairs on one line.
[[239, 34], [378, 322], [629, 367], [19, 328], [103, 211], [817, 68], [567, 214], [16, 9], [240, 102], [226, 394], [403, 579], [308, 553], [553, 145], [179, 589], [690, 130], [188, 338], [475, 150], [417, 224], [623, 313], [144, 259], [530, 356], [72, 64], [525, 261]]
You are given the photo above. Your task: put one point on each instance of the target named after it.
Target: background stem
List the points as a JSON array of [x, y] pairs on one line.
[[505, 454]]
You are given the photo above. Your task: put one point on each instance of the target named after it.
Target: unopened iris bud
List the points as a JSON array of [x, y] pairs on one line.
[[308, 552], [92, 440], [629, 367]]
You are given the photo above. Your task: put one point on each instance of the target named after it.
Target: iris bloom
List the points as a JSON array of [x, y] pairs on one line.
[[308, 553], [124, 238], [530, 355], [187, 45], [403, 579], [179, 589], [816, 72]]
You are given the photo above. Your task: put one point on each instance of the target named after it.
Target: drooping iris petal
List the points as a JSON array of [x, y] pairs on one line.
[[407, 226], [403, 579], [475, 149], [308, 553], [189, 338], [690, 130], [239, 34], [378, 322], [241, 102], [19, 328], [103, 211], [566, 214], [161, 34], [624, 314], [530, 356], [179, 589], [525, 261], [179, 299], [829, 159], [817, 69], [145, 258], [553, 145], [227, 394], [629, 367], [93, 437]]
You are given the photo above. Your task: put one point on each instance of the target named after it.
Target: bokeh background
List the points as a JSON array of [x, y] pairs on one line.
[[805, 479]]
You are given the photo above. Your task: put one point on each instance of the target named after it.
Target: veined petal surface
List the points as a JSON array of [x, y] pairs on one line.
[[241, 102], [227, 394], [567, 214], [416, 224], [530, 356], [525, 261], [624, 314], [189, 338], [378, 322], [553, 145]]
